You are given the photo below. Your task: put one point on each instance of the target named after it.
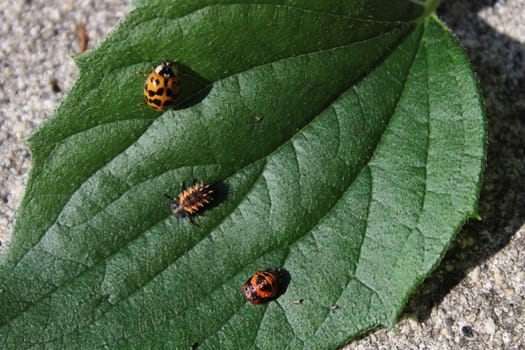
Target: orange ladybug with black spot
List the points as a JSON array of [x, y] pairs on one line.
[[162, 86], [191, 201], [263, 286]]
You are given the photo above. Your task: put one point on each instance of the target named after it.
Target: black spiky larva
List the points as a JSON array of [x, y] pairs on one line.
[[191, 200]]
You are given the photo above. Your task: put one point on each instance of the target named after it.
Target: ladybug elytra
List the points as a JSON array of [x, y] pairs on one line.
[[162, 86]]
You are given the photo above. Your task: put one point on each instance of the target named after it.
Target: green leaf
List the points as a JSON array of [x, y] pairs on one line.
[[348, 138]]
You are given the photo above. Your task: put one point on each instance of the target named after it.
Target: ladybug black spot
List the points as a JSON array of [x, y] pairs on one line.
[[261, 279], [267, 288], [166, 104], [156, 102]]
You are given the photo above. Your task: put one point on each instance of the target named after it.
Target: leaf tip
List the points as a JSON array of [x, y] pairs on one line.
[[80, 60], [476, 217], [429, 5]]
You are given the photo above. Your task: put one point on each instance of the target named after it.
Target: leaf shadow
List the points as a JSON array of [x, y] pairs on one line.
[[498, 61], [220, 194], [193, 81]]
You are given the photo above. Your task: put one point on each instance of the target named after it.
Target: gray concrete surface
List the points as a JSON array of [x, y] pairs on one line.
[[474, 299]]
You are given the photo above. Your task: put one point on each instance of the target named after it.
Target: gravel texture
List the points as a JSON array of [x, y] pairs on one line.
[[473, 300]]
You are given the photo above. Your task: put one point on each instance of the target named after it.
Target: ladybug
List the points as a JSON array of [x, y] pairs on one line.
[[263, 286], [191, 200], [162, 86]]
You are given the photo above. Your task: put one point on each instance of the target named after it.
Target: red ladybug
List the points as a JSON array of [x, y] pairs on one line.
[[263, 286], [191, 200]]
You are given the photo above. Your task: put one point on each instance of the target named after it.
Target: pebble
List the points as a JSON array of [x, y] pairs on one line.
[[54, 15], [507, 338], [445, 332], [490, 326], [467, 331], [474, 275], [509, 291], [499, 276], [413, 324]]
